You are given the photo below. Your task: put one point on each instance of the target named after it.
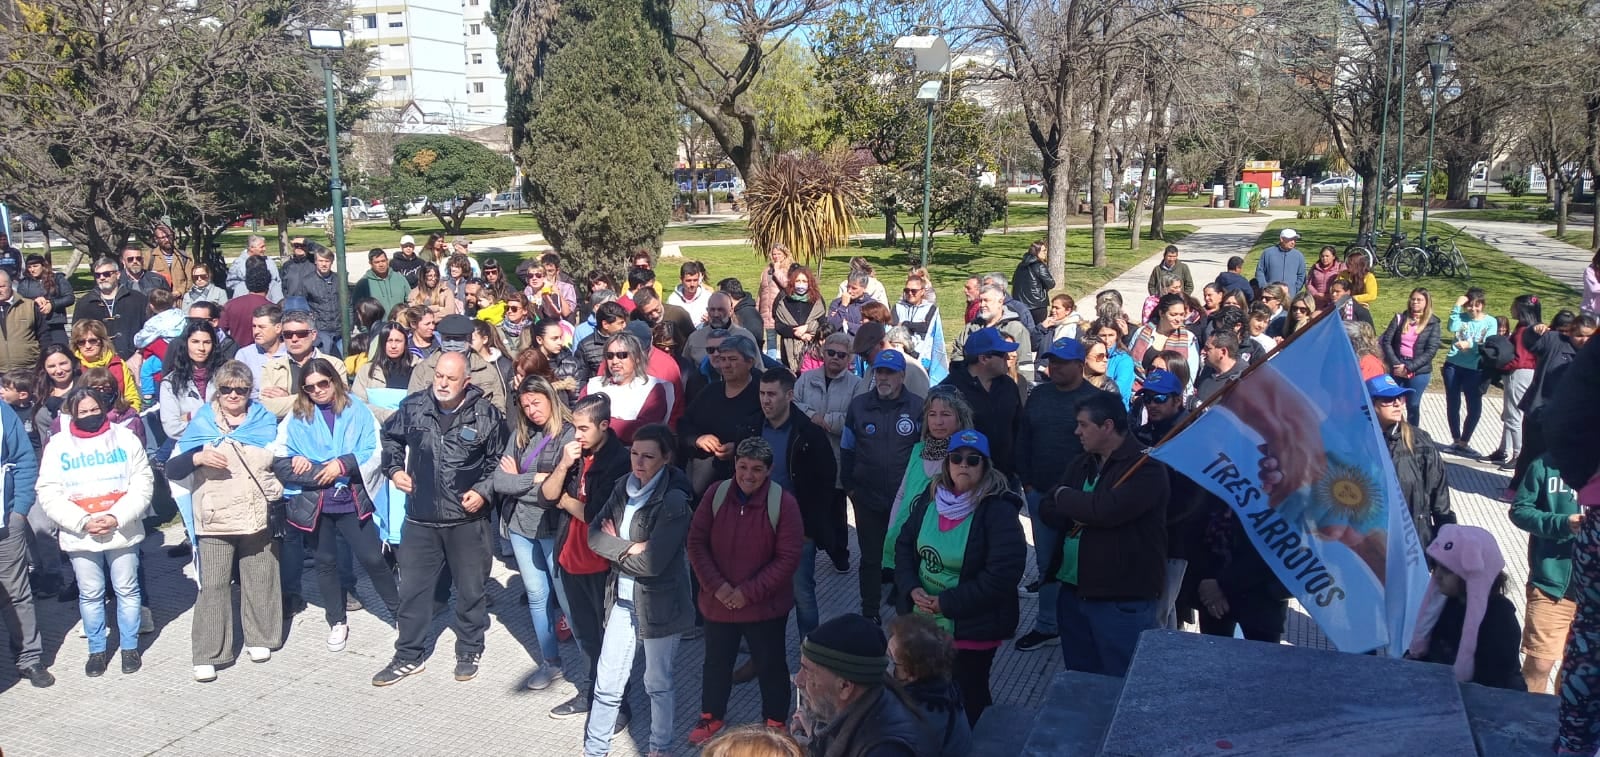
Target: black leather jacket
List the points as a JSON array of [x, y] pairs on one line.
[[446, 454], [1032, 282]]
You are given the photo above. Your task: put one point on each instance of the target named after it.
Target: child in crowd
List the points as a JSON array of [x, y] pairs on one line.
[[1260, 319], [1547, 509], [16, 388], [1466, 619]]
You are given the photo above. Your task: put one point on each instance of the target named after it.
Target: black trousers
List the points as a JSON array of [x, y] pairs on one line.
[[466, 549], [871, 528], [360, 538], [971, 676], [1258, 619], [586, 600], [766, 641], [839, 547]]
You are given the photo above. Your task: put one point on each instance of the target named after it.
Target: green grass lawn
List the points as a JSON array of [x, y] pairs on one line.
[[1583, 238], [1501, 278]]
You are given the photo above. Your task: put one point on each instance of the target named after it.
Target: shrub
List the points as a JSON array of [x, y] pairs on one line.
[[1516, 186], [1336, 211]]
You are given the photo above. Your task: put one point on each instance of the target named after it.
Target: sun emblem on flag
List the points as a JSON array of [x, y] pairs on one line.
[[1350, 492]]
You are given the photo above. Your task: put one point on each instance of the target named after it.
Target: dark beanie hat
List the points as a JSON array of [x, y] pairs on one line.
[[850, 646]]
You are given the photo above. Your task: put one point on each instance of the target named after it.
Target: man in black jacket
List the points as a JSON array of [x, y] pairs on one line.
[[745, 310], [847, 704], [122, 309], [1112, 562], [440, 448], [804, 465], [589, 468], [880, 429], [984, 379]]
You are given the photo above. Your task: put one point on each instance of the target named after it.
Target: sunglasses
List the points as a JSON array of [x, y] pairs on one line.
[[1268, 298], [836, 353], [88, 340], [909, 290], [1159, 399], [318, 386], [297, 334], [1389, 400], [971, 460], [104, 274], [1304, 310], [621, 355], [237, 391], [131, 258]]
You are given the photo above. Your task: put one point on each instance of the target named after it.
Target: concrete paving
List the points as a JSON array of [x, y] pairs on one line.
[[1206, 252], [1526, 242]]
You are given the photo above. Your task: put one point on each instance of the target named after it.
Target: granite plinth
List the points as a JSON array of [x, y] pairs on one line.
[[1189, 694], [1077, 709], [1002, 730], [1510, 722]]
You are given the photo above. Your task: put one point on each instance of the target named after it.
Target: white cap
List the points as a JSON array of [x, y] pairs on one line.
[[1288, 234], [405, 240]]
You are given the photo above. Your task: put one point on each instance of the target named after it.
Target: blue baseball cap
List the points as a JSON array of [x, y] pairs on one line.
[[1384, 387], [890, 360], [1161, 382], [970, 439], [986, 341], [1065, 349]]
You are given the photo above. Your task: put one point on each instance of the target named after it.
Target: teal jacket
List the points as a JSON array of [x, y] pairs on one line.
[[389, 291], [1477, 330], [1543, 504]]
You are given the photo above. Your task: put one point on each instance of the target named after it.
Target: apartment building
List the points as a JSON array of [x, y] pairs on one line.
[[436, 57]]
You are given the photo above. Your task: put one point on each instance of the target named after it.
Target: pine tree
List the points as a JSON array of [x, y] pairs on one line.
[[590, 105]]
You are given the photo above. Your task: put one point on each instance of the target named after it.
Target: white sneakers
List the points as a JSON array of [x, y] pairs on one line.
[[205, 673], [258, 654], [337, 636]]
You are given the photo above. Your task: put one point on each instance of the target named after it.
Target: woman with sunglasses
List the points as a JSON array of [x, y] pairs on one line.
[[919, 313], [542, 430], [544, 298], [329, 460], [222, 480], [959, 559], [1113, 370], [1301, 309], [637, 398], [96, 483], [389, 368], [430, 292], [516, 322], [91, 345], [1276, 297]]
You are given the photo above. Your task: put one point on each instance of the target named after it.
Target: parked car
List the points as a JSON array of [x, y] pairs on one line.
[[1034, 188], [377, 210], [28, 221], [1333, 184], [1184, 187], [417, 206], [510, 200]]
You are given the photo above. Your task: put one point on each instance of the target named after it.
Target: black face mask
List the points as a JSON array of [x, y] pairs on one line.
[[89, 424], [107, 399]]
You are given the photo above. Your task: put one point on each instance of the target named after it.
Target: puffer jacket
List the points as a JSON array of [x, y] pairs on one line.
[[233, 502], [447, 454], [1420, 472], [591, 353], [1423, 350], [660, 573], [978, 605], [107, 472], [566, 365], [1032, 282]]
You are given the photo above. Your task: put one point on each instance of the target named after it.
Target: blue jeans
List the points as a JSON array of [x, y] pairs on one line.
[[536, 560], [1459, 382], [1098, 636], [1043, 537], [806, 616], [91, 569], [616, 663], [1418, 384]]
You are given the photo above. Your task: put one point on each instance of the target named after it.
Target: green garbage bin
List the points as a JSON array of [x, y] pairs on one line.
[[1243, 193]]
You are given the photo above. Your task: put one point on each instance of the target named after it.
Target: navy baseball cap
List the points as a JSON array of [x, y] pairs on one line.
[[970, 439], [890, 360], [1384, 387], [986, 341], [1161, 382], [454, 326], [1065, 348]]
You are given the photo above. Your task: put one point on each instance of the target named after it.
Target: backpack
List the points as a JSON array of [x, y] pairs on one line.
[[1495, 355], [774, 501]]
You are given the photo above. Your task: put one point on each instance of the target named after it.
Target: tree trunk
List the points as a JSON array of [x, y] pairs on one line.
[[1098, 139], [279, 209], [1458, 184], [1369, 200], [891, 226], [1563, 198], [1059, 188], [1163, 190], [1135, 207], [1591, 106]]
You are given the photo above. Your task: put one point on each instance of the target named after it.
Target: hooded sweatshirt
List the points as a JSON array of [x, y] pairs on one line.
[[390, 290], [82, 475]]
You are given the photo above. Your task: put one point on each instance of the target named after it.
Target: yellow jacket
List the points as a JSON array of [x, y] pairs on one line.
[[110, 361]]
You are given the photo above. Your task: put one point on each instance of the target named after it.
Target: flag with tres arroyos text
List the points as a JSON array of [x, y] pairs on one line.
[[1335, 527]]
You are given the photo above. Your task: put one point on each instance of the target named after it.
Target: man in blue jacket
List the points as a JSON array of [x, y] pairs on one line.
[[1282, 262], [880, 429], [21, 471]]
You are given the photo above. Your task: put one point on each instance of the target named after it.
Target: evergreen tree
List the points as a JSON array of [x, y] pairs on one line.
[[590, 104]]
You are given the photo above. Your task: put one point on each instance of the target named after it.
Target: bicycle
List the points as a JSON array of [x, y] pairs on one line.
[[1439, 260], [1398, 259]]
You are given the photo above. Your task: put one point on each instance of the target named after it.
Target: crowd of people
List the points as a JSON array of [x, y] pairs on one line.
[[661, 464]]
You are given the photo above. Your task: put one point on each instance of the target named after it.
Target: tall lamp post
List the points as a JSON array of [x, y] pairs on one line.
[[1438, 57], [932, 55], [1400, 141], [1383, 133], [327, 41]]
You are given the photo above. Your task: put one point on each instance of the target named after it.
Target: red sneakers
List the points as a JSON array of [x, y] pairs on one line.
[[777, 725], [563, 631], [707, 728]]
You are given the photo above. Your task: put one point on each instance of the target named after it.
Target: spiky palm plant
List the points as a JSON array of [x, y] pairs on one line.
[[804, 201]]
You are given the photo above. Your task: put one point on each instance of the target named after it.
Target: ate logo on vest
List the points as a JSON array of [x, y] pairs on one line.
[[931, 561]]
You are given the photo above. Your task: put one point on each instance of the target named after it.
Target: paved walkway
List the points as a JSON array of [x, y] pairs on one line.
[[1206, 252], [1525, 242]]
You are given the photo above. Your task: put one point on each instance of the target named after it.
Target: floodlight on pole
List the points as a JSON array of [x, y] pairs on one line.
[[931, 53], [328, 41]]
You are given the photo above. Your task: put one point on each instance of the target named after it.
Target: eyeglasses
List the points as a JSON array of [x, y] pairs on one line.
[[836, 353], [909, 290], [972, 460], [1268, 298], [88, 340], [1302, 309], [318, 386], [1096, 357], [237, 391], [511, 308], [104, 274], [622, 355], [297, 334], [131, 258], [1159, 399]]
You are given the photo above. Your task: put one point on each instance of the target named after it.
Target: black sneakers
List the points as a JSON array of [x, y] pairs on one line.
[[131, 661], [578, 705], [467, 668], [97, 664], [395, 671], [1035, 640], [38, 676]]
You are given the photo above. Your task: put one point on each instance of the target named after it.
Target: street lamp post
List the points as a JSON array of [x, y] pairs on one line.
[[1383, 132], [329, 40], [931, 55], [1400, 142], [1438, 56]]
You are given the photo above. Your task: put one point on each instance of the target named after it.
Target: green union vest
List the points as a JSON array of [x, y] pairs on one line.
[[941, 553], [914, 484], [1068, 572]]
